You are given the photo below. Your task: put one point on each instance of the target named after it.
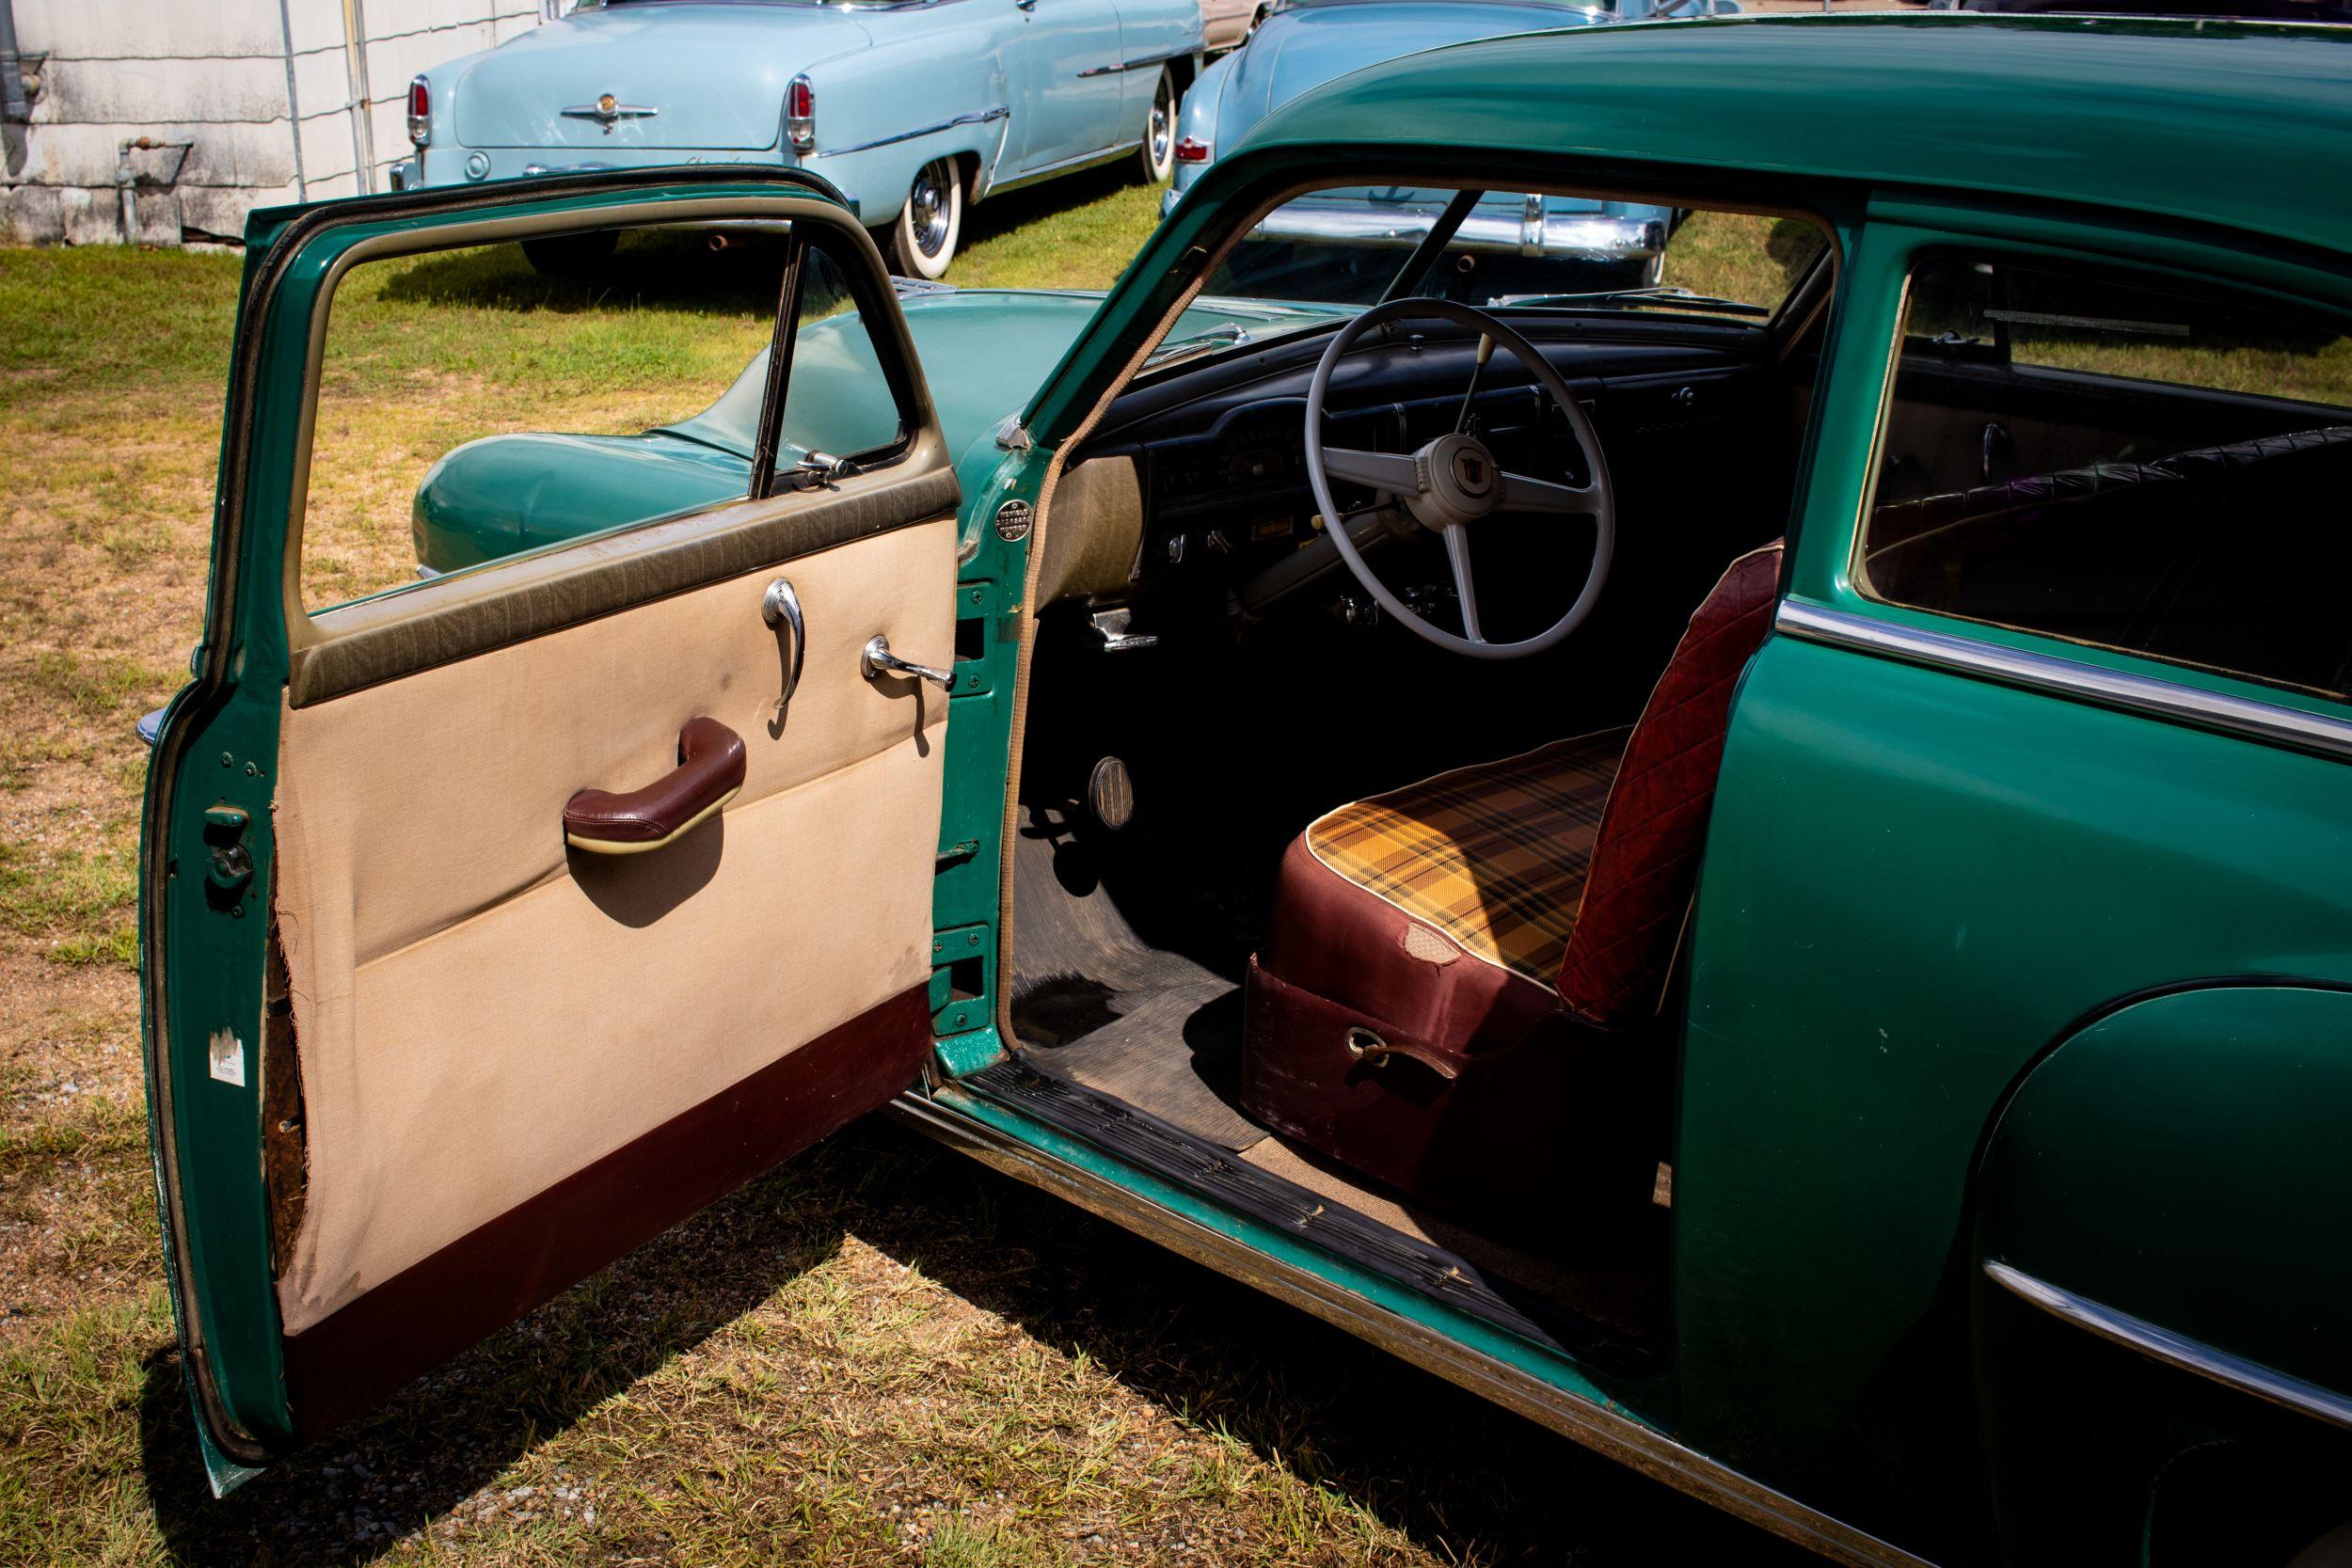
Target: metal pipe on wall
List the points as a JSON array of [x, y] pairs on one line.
[[294, 104], [362, 101], [14, 104]]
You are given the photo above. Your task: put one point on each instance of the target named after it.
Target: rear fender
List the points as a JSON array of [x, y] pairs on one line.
[[2160, 1224]]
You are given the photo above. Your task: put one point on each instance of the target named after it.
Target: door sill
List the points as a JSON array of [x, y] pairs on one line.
[[1600, 1427], [1166, 1151]]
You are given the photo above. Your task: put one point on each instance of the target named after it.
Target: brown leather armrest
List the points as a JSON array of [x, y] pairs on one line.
[[709, 773]]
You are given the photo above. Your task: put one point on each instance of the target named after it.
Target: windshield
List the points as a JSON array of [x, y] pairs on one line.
[[1356, 245]]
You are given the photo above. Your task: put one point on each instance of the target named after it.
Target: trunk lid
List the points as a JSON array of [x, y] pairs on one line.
[[691, 77]]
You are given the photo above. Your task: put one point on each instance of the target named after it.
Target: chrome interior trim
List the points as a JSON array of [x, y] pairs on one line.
[[1604, 1431], [979, 116], [2270, 722], [2175, 1350]]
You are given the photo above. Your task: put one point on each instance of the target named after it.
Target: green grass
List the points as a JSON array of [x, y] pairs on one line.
[[76, 904]]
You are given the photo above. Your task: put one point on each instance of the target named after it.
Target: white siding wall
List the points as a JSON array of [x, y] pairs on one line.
[[215, 73]]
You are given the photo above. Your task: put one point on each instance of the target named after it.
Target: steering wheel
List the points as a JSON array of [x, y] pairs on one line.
[[1453, 481]]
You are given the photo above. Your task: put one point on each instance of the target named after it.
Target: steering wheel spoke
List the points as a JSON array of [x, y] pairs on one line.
[[1452, 483], [1465, 585], [1520, 493], [1394, 473]]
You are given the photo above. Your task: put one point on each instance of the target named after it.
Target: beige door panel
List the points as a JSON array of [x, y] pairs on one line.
[[479, 1011]]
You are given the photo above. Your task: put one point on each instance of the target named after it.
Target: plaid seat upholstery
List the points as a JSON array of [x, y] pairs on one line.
[[1494, 855]]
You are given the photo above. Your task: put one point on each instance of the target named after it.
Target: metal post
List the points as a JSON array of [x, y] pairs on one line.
[[293, 105], [363, 101], [14, 104]]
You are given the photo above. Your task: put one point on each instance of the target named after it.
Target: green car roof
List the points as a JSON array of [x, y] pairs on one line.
[[2243, 124]]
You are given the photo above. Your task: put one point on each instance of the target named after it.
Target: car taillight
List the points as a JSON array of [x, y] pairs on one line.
[[800, 115], [1192, 150], [420, 111]]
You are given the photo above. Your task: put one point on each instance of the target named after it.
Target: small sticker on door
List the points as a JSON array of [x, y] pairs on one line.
[[1012, 521], [228, 1057]]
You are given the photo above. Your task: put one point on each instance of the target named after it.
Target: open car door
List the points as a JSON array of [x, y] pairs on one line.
[[494, 922]]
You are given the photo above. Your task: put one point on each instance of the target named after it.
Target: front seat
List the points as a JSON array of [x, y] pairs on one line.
[[1454, 967]]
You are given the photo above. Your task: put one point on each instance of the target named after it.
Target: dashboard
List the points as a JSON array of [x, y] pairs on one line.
[[1219, 450]]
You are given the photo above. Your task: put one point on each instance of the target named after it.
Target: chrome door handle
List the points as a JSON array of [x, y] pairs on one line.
[[878, 661], [780, 609]]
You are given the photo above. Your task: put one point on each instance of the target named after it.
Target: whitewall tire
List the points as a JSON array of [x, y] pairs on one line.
[[923, 241], [1155, 161]]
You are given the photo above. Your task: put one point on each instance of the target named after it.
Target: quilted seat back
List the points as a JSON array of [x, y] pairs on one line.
[[1645, 856]]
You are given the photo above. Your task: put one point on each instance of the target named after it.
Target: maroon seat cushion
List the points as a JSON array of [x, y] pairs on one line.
[[1644, 865], [1439, 911], [1400, 1019]]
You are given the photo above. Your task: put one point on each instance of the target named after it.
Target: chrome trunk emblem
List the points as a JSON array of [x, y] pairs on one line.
[[608, 110]]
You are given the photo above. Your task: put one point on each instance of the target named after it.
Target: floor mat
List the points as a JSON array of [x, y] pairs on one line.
[[1175, 1053]]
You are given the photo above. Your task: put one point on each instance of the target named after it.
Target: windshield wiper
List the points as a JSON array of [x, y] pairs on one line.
[[1682, 298]]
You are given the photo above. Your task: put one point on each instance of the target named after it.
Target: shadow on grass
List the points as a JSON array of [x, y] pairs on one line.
[[1465, 1480], [1011, 210], [650, 270]]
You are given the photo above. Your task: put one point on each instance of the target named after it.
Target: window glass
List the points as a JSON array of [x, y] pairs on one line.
[[2117, 462], [837, 401], [476, 403], [1346, 246]]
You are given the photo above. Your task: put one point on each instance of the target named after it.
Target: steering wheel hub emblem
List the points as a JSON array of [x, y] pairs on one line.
[[1457, 481]]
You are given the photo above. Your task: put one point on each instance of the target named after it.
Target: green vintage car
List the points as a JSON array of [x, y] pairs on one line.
[[1759, 870]]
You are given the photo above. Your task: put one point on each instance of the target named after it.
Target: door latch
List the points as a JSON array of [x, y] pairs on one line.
[[228, 864]]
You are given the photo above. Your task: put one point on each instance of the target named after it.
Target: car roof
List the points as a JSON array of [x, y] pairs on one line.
[[2245, 125]]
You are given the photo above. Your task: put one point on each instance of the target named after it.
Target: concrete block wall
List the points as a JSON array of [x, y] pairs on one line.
[[275, 100]]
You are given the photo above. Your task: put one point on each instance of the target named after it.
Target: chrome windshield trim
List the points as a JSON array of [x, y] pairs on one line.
[[2271, 722], [977, 117], [1607, 1432], [2175, 1350], [1584, 236]]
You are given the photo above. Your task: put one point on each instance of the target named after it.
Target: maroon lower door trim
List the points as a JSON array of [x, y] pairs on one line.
[[347, 1364]]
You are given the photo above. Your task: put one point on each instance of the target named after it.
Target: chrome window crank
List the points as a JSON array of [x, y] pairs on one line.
[[878, 661]]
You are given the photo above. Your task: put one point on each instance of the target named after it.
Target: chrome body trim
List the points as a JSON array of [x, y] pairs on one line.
[[1148, 62], [1068, 165], [2175, 1350], [609, 110], [1607, 1432], [1529, 231], [2272, 723], [977, 117]]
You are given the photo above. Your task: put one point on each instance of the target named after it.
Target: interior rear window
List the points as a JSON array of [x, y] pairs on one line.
[[2100, 458]]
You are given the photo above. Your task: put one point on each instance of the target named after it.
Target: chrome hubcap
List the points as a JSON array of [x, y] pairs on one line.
[[1163, 124], [926, 209]]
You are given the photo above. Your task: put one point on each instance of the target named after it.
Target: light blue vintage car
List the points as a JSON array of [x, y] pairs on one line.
[[913, 108], [1517, 240]]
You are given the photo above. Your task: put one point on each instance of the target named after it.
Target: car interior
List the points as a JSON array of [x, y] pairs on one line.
[[1401, 956], [1398, 963]]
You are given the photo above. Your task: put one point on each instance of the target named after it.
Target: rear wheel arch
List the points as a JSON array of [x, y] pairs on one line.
[[2159, 1166]]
